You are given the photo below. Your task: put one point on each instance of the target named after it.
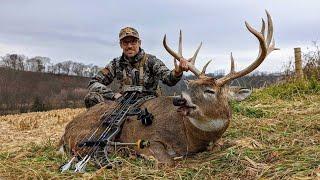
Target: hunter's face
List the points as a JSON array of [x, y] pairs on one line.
[[130, 46]]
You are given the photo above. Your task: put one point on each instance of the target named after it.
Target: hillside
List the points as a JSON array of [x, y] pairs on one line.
[[24, 91], [274, 134]]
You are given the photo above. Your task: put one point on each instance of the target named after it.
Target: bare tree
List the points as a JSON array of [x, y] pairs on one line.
[[14, 61], [20, 62], [58, 68], [50, 67], [37, 64], [78, 69], [94, 70], [66, 66]]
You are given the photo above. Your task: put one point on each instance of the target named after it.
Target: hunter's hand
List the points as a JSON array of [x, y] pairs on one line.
[[117, 95], [183, 66]]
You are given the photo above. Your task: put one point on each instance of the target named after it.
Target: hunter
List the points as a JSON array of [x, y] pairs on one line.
[[134, 60]]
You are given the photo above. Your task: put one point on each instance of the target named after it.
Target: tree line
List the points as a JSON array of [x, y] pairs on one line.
[[25, 91], [44, 64]]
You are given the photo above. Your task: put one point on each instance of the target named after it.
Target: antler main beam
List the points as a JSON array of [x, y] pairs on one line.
[[266, 46]]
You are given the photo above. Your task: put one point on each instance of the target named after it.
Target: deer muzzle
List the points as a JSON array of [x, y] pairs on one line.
[[184, 103]]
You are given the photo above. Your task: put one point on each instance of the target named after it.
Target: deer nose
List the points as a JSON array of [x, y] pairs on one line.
[[179, 101]]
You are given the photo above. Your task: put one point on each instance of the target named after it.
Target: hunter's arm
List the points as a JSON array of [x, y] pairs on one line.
[[101, 80], [168, 77]]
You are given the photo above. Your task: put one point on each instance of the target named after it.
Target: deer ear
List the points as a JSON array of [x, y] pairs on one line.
[[186, 82], [239, 94]]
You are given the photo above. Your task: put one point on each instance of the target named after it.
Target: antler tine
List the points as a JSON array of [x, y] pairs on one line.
[[262, 31], [272, 46], [232, 64], [264, 49], [270, 40], [270, 29], [175, 55], [175, 63], [258, 35], [203, 72], [180, 43], [193, 59], [179, 50], [263, 27]]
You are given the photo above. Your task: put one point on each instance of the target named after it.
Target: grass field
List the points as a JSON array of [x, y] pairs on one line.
[[275, 134]]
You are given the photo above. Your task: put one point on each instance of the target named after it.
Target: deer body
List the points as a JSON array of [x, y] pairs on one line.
[[171, 134], [177, 131]]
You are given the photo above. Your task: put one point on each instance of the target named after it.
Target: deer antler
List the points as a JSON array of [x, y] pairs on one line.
[[266, 47], [178, 56]]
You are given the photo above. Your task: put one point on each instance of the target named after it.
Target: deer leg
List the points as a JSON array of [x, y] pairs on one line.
[[159, 152]]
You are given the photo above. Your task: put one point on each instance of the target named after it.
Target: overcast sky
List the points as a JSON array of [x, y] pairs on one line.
[[87, 31]]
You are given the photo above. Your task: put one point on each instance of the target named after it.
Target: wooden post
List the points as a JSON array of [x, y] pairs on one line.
[[298, 63]]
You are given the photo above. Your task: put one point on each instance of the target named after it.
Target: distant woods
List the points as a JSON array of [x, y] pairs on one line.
[[23, 91], [44, 64], [37, 84]]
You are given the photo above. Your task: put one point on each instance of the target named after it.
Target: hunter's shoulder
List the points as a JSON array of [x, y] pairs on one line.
[[150, 56], [113, 61], [153, 59], [116, 59]]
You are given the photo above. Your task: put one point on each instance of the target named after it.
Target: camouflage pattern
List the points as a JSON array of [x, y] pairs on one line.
[[120, 69], [128, 31], [93, 98]]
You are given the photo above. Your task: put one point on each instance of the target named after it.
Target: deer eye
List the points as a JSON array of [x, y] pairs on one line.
[[210, 91]]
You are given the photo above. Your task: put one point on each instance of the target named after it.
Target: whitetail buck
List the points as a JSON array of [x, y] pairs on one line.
[[178, 131]]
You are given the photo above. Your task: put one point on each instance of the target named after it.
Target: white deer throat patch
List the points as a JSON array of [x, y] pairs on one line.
[[209, 125]]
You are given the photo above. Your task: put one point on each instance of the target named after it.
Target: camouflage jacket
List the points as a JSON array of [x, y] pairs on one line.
[[120, 69]]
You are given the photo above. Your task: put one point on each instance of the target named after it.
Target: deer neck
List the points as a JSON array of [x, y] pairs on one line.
[[206, 123], [201, 132], [211, 119]]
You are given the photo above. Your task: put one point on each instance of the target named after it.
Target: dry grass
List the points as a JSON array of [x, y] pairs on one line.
[[283, 142]]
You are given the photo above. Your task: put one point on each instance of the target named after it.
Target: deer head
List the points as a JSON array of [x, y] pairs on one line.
[[206, 97]]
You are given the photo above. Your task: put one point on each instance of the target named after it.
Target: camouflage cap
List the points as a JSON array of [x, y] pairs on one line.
[[128, 31]]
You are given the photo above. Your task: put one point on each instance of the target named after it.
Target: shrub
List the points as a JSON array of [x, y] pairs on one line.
[[38, 105], [311, 60]]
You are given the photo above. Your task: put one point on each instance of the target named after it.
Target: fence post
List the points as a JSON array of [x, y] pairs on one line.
[[298, 63]]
